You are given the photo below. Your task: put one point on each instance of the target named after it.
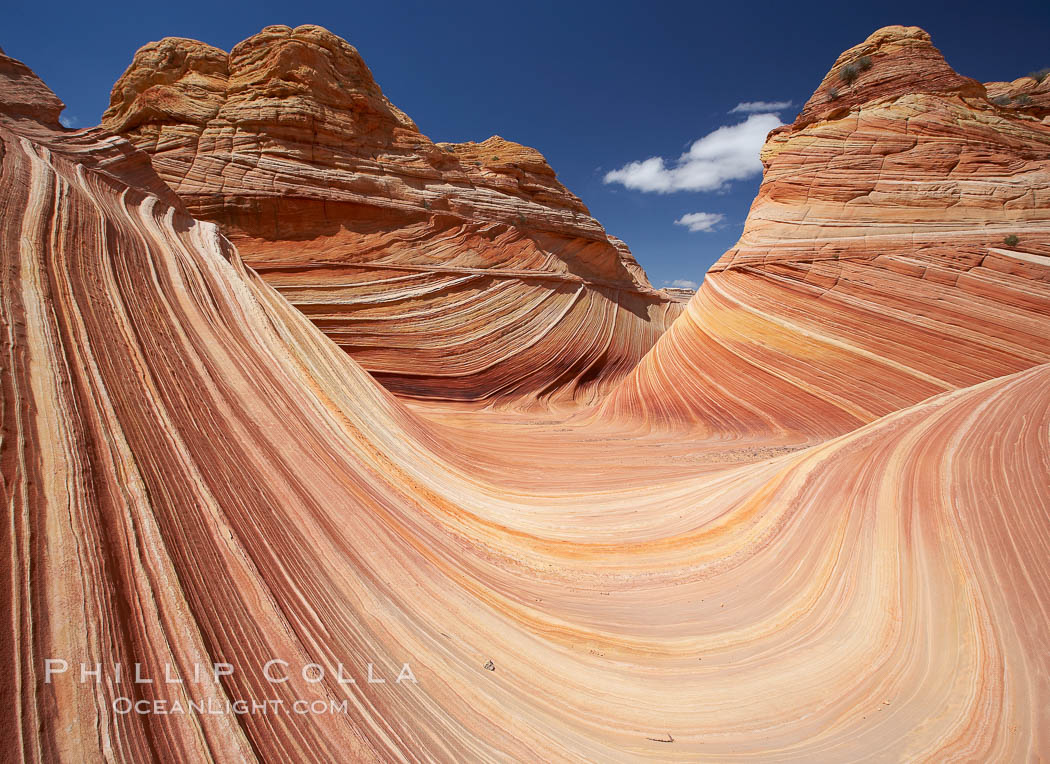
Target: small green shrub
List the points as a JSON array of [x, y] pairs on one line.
[[833, 95], [1011, 240], [864, 63], [1039, 74], [1023, 100], [1002, 100], [849, 73]]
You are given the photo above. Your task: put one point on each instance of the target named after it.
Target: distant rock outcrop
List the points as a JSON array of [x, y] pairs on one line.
[[1029, 94], [25, 96], [463, 271]]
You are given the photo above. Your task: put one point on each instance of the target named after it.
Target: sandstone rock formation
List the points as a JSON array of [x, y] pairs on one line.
[[25, 96], [463, 271], [196, 475], [876, 267], [1029, 94]]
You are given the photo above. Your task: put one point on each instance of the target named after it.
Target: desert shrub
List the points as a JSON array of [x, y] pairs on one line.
[[849, 73], [1011, 240], [1039, 74], [1023, 100], [864, 63], [833, 95], [1001, 100]]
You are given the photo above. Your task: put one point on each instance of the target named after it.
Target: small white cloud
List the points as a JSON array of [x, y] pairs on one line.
[[682, 284], [751, 107], [700, 221], [726, 154], [69, 121]]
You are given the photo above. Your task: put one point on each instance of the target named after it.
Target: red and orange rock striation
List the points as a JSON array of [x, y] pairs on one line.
[[196, 474], [1029, 94], [460, 271], [875, 268]]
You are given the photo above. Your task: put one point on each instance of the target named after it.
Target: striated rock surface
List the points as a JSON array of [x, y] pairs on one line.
[[899, 247], [462, 271], [196, 475], [892, 62], [25, 96], [1029, 94]]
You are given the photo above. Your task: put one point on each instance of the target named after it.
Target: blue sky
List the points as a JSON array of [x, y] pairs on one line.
[[595, 86]]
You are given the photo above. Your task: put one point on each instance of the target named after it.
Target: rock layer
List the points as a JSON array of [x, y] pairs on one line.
[[877, 266], [463, 271]]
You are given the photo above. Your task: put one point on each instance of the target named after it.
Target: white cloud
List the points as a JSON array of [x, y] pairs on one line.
[[729, 153], [68, 121], [751, 107], [700, 221], [682, 284]]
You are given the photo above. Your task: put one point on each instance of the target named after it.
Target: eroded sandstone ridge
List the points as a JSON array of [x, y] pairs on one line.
[[464, 271], [196, 475], [899, 247]]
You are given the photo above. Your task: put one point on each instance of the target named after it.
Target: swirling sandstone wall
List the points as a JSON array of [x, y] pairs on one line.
[[461, 271], [195, 474]]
